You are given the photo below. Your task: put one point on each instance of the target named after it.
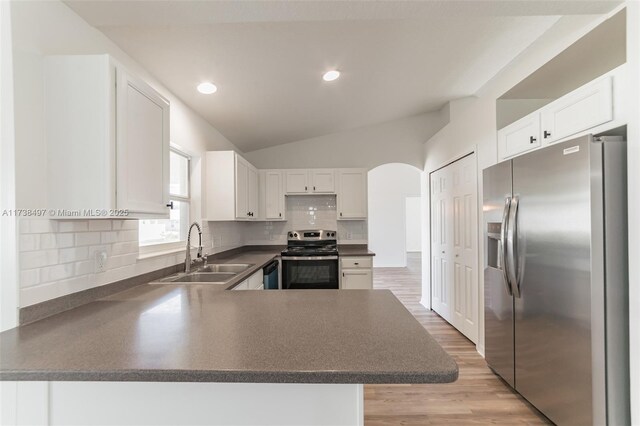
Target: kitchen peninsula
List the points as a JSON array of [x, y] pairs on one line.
[[227, 357]]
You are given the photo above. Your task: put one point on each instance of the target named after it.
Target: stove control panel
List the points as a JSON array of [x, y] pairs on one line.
[[312, 235]]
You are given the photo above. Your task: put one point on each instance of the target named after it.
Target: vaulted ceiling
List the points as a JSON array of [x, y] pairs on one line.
[[397, 58]]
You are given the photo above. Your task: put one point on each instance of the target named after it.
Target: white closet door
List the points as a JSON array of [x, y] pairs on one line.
[[440, 242], [454, 245], [464, 250]]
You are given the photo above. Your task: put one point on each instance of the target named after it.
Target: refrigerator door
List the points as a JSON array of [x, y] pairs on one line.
[[498, 301], [553, 306]]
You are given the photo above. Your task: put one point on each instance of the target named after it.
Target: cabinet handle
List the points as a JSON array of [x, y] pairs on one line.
[[546, 134], [280, 214], [305, 188], [170, 205], [355, 263], [314, 188], [340, 213], [532, 139]]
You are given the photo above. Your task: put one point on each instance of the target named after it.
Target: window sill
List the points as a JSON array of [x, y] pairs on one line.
[[160, 252]]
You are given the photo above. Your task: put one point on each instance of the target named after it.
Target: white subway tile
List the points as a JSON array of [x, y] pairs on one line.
[[87, 238], [124, 247], [75, 284], [84, 267], [121, 260], [129, 224], [73, 226], [48, 241], [29, 242], [64, 240], [56, 272], [29, 277], [36, 294], [100, 225], [109, 237], [73, 254], [38, 259], [131, 235], [40, 226]]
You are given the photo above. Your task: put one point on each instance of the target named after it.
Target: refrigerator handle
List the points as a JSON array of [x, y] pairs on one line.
[[512, 246], [503, 244]]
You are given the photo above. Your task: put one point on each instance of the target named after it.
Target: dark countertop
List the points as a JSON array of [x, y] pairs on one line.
[[354, 250], [192, 333]]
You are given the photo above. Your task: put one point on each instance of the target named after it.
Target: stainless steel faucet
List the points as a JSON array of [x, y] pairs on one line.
[[187, 258]]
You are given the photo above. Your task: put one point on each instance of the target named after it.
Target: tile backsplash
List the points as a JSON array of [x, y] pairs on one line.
[[307, 212], [57, 256]]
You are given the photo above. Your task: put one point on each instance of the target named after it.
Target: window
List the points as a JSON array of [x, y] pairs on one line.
[[166, 233]]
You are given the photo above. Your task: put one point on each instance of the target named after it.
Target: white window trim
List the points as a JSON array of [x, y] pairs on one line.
[[160, 249]]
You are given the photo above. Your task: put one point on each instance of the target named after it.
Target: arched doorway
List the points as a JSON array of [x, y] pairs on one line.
[[395, 217]]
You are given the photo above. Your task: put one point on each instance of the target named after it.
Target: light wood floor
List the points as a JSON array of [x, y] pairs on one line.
[[479, 397]]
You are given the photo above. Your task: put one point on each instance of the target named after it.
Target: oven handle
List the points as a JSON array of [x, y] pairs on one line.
[[309, 257]]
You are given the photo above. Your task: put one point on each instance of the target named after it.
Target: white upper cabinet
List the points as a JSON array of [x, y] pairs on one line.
[[593, 108], [323, 181], [142, 147], [231, 187], [519, 137], [272, 195], [107, 136], [352, 194], [297, 181], [582, 109]]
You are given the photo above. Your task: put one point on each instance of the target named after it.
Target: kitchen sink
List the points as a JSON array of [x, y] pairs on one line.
[[205, 277], [234, 268]]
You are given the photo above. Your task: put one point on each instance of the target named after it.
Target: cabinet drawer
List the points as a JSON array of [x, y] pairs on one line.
[[355, 279], [355, 262]]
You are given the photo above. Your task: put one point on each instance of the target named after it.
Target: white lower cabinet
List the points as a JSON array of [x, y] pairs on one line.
[[356, 273], [254, 282]]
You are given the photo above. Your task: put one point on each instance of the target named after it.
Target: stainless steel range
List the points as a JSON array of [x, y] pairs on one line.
[[310, 260]]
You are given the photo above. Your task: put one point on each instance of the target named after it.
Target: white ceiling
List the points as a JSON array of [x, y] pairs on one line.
[[397, 58]]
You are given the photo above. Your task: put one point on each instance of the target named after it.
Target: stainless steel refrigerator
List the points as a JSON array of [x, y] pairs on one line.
[[555, 279]]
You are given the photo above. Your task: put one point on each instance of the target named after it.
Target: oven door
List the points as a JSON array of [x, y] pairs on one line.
[[310, 272]]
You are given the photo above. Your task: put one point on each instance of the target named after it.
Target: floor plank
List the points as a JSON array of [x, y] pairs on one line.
[[479, 397]]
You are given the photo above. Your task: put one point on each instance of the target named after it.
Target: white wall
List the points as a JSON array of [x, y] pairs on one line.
[[633, 146], [389, 187], [414, 224], [54, 255], [8, 226], [397, 141], [472, 127]]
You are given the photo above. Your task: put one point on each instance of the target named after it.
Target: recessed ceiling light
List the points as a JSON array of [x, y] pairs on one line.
[[331, 75], [207, 88]]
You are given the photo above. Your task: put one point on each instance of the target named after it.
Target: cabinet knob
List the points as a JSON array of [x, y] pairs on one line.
[[546, 134], [314, 188], [340, 213], [280, 214], [355, 263], [170, 205], [532, 139], [305, 188]]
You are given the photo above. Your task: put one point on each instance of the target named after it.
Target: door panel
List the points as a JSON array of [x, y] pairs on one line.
[[296, 181], [553, 314], [454, 245], [498, 303], [323, 181]]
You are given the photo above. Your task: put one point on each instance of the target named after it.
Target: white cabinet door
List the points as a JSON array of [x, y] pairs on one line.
[[323, 181], [582, 109], [441, 229], [352, 194], [519, 137], [255, 281], [297, 181], [252, 192], [242, 188], [274, 195], [142, 154], [357, 279]]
